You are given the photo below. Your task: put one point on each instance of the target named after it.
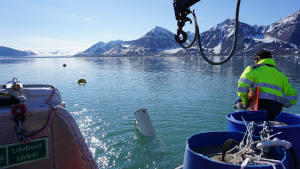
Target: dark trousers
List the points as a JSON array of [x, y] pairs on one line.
[[273, 108]]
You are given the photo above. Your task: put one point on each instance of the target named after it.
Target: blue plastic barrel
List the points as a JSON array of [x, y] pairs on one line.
[[194, 160], [290, 132]]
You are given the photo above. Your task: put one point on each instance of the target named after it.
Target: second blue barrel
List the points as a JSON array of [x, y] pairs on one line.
[[198, 145]]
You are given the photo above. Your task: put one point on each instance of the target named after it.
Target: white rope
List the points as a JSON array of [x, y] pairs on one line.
[[266, 160], [245, 162]]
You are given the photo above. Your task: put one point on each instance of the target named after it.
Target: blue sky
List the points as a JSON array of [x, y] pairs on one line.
[[74, 25]]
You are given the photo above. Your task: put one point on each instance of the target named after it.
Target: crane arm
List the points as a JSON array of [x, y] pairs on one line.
[[182, 9], [181, 5]]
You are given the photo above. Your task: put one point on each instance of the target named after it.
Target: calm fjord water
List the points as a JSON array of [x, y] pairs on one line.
[[183, 96]]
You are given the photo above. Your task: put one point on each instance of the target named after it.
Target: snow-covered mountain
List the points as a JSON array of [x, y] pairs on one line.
[[95, 47], [5, 51], [286, 29], [281, 37], [153, 42]]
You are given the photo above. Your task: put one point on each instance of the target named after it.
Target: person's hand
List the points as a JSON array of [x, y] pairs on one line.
[[238, 105]]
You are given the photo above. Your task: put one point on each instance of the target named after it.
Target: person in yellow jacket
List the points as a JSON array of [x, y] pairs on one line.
[[275, 91]]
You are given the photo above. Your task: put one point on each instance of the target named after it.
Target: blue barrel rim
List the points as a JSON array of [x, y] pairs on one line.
[[229, 117], [219, 162]]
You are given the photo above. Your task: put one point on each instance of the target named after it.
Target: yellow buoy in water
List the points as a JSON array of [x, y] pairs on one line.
[[81, 82]]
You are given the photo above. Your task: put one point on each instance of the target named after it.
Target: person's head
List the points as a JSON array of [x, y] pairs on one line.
[[261, 54]]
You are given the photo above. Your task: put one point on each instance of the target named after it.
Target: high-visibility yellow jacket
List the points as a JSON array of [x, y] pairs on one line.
[[273, 85]]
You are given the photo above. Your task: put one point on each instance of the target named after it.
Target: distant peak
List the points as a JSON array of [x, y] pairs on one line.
[[229, 21], [224, 23], [115, 41], [159, 31]]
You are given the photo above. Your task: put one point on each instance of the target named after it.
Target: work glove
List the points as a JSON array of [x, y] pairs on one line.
[[239, 104]]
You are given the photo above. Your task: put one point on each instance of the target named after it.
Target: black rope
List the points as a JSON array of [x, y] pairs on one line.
[[226, 146], [197, 36], [236, 28]]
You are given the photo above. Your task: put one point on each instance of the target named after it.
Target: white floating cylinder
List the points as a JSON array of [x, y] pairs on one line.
[[144, 123]]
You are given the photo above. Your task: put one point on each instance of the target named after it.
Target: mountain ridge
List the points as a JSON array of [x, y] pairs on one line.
[[7, 51], [280, 37]]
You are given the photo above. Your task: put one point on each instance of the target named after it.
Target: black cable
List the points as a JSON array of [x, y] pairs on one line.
[[197, 35], [226, 146], [234, 41]]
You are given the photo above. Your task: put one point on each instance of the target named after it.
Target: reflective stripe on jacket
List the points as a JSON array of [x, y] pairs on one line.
[[273, 85]]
